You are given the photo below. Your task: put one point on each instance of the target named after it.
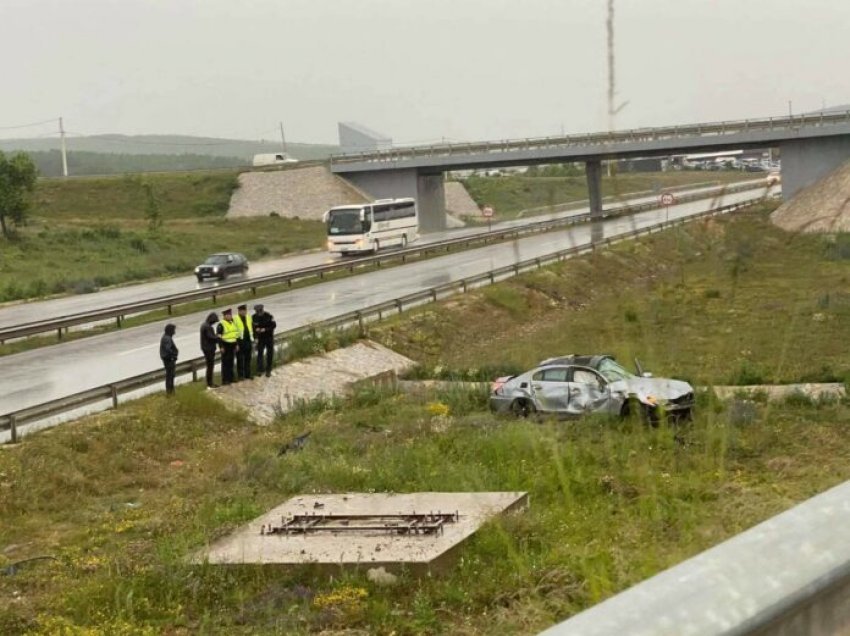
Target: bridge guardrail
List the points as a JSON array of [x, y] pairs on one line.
[[112, 391], [119, 312], [599, 138]]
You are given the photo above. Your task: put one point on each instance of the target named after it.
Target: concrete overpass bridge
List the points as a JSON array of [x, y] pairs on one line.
[[811, 145]]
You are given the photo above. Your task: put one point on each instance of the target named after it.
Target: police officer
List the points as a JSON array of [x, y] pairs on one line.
[[264, 326], [229, 333], [246, 339], [209, 343], [168, 354]]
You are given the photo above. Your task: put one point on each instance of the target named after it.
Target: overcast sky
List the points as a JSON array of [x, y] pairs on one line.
[[416, 70]]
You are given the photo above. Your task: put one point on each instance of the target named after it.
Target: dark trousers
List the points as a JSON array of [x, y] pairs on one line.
[[228, 352], [243, 359], [209, 359], [265, 348], [170, 368]]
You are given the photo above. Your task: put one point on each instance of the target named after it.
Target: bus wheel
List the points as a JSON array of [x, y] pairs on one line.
[[377, 247], [403, 241]]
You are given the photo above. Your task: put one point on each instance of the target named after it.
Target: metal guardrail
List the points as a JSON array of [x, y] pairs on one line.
[[599, 138], [787, 575], [112, 391], [119, 312]]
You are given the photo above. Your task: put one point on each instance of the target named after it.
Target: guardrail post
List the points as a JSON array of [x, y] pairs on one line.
[[215, 298], [118, 321], [114, 390], [492, 277], [59, 333], [433, 294], [360, 322], [169, 310], [463, 287], [399, 305], [13, 428], [194, 372]]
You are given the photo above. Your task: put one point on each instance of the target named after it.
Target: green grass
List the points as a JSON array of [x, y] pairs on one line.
[[724, 301], [611, 503], [511, 194], [86, 234], [121, 499]]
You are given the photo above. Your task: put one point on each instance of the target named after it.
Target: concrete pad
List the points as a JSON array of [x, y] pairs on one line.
[[333, 546]]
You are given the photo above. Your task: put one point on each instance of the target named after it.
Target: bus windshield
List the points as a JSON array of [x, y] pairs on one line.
[[347, 221]]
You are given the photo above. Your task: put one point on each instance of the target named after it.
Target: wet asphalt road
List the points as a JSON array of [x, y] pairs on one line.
[[60, 307], [36, 376]]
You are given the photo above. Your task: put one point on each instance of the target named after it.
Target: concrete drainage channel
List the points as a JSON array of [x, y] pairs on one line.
[[107, 396]]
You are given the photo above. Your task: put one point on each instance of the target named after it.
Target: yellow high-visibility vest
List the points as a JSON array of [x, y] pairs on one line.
[[229, 331], [243, 325]]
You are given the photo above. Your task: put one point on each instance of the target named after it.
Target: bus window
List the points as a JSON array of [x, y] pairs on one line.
[[349, 221]]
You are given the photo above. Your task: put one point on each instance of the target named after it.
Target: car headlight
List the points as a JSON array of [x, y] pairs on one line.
[[215, 269], [197, 269]]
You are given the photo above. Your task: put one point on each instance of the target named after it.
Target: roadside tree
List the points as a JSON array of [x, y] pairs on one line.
[[17, 181]]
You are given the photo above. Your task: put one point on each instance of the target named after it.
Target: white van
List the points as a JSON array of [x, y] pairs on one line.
[[272, 159]]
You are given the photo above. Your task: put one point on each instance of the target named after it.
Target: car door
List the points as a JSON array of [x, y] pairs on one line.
[[550, 389], [588, 392]]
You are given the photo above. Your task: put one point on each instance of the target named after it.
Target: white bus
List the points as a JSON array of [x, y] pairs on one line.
[[369, 227]]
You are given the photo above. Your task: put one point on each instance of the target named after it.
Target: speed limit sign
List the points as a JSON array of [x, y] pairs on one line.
[[487, 212], [667, 199]]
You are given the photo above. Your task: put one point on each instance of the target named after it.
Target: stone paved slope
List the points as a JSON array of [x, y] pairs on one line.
[[303, 192], [822, 207], [304, 380]]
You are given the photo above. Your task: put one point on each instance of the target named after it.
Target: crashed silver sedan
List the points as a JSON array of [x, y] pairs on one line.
[[578, 384]]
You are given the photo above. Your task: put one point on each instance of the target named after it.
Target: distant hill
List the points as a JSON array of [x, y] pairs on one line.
[[116, 154], [171, 145]]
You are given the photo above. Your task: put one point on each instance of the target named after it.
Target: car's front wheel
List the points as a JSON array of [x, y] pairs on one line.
[[522, 408]]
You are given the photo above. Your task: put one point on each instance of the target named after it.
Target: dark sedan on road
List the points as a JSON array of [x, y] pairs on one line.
[[578, 384], [222, 265]]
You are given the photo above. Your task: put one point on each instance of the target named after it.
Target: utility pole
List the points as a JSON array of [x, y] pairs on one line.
[[64, 149], [283, 139]]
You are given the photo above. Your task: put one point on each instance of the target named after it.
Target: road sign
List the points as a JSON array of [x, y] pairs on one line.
[[487, 212], [667, 199]]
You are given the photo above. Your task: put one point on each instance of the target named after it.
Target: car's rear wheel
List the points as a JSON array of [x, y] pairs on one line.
[[522, 408]]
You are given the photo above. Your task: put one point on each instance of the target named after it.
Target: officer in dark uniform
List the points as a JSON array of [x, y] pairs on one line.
[[264, 326], [168, 354], [209, 343], [229, 333], [246, 341]]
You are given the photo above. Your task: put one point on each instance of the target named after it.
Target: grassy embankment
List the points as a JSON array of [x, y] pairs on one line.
[[122, 498], [90, 233], [510, 195]]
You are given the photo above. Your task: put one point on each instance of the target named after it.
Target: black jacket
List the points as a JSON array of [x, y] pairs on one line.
[[209, 338], [264, 326], [167, 349]]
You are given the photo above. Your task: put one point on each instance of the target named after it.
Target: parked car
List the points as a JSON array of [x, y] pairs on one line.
[[221, 266], [577, 384]]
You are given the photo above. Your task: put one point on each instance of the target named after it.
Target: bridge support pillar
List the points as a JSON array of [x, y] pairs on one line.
[[805, 161], [593, 172], [427, 189]]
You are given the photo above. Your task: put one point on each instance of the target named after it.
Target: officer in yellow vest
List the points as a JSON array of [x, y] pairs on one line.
[[229, 343], [246, 341]]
